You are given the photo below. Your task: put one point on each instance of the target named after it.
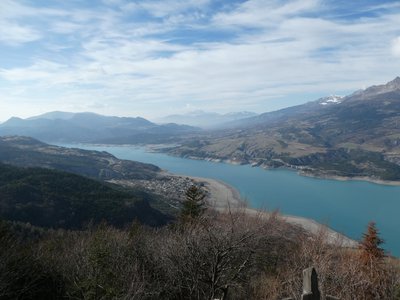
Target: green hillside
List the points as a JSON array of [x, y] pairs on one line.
[[56, 199]]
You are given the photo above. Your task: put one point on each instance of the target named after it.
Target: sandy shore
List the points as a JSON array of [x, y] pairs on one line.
[[223, 196]]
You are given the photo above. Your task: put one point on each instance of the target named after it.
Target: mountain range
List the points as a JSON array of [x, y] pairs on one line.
[[93, 128], [356, 136], [206, 120], [353, 136]]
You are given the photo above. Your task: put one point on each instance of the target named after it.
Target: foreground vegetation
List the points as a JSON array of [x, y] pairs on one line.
[[230, 255], [64, 236]]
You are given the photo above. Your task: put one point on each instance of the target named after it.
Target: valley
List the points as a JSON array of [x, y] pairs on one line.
[[356, 136], [344, 206], [205, 150]]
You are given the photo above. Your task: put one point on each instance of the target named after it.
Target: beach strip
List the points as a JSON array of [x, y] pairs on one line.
[[222, 196]]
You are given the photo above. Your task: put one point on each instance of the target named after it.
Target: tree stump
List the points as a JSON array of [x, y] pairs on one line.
[[310, 285]]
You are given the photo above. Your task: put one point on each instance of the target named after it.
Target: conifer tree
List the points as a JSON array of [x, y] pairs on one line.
[[370, 245], [194, 204]]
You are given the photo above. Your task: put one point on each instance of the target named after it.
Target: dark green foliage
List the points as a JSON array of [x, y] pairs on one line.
[[194, 204], [49, 198]]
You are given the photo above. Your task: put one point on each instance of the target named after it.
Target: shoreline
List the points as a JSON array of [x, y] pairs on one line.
[[222, 194], [300, 172], [225, 197], [158, 148], [347, 178], [306, 174]]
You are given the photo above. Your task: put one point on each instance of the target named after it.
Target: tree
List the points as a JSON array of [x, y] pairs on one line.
[[194, 204], [370, 250]]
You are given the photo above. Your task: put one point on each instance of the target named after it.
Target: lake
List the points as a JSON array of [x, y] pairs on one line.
[[346, 206]]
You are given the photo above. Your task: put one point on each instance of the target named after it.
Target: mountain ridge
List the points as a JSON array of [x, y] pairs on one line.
[[362, 132], [92, 128], [205, 119]]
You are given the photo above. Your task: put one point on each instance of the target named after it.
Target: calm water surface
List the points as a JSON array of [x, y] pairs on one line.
[[346, 206]]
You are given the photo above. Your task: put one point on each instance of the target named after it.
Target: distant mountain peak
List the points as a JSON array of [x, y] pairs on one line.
[[13, 121], [54, 115], [332, 99], [395, 83], [374, 90], [87, 127]]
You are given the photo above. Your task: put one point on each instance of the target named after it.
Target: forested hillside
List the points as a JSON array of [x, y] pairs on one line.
[[55, 199]]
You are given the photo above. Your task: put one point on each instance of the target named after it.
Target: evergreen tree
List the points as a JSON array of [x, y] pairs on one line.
[[370, 245], [194, 204]]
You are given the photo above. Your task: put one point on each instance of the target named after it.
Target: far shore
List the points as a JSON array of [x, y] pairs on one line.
[[316, 175], [157, 148], [224, 196], [347, 178]]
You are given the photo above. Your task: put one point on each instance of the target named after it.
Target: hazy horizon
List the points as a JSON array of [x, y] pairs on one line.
[[157, 119], [157, 58]]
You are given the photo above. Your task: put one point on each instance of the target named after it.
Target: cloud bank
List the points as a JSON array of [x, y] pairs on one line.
[[153, 58]]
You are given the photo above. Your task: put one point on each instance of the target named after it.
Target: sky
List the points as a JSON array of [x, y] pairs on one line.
[[159, 57]]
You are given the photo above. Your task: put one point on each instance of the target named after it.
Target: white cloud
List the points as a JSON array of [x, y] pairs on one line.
[[39, 71], [396, 47], [65, 27], [113, 2], [263, 13], [163, 8], [13, 14], [11, 9], [11, 33], [114, 62]]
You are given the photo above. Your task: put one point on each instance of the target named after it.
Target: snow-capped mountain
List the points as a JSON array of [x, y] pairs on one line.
[[333, 99]]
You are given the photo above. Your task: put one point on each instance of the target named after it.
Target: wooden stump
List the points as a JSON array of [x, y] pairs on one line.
[[310, 285]]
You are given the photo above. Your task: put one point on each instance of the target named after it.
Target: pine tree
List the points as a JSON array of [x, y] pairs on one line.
[[194, 204], [370, 245]]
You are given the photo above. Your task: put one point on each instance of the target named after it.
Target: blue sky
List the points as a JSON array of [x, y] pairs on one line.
[[154, 58]]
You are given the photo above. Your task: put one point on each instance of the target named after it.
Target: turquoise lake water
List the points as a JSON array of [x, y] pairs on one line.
[[346, 206]]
